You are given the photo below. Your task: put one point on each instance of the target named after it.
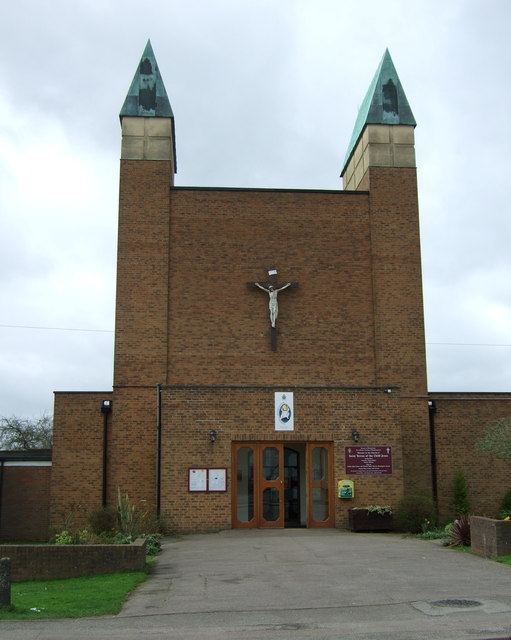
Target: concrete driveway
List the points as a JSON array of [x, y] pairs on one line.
[[306, 584]]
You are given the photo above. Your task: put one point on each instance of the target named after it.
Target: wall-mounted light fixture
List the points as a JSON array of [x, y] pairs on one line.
[[355, 435], [212, 435], [388, 390], [106, 406]]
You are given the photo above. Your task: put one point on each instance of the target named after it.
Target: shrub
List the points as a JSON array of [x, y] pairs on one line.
[[114, 537], [459, 535], [103, 519], [380, 510], [153, 544], [432, 533], [149, 522], [66, 537], [67, 516], [412, 511], [505, 506], [461, 501]]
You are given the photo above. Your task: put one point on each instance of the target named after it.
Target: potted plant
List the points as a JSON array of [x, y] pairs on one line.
[[370, 518]]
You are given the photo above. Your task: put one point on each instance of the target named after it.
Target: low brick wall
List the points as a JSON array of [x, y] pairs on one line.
[[52, 561], [489, 537]]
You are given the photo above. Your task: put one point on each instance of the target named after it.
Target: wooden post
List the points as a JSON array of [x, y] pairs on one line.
[[5, 582]]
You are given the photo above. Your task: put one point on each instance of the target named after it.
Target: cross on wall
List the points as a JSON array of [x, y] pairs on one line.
[[272, 287]]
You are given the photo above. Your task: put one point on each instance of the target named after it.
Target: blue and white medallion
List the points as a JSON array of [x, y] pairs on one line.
[[284, 411]]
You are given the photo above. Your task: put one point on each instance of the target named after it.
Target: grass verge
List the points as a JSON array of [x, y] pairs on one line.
[[71, 598], [504, 559]]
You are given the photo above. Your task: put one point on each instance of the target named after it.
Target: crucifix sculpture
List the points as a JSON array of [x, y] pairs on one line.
[[272, 288]]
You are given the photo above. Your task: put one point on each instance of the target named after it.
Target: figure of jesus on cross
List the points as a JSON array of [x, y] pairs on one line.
[[272, 288], [273, 304]]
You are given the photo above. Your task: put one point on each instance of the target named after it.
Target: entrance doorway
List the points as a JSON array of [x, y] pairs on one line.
[[278, 484]]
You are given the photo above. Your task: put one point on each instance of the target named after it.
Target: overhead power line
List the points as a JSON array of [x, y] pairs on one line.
[[23, 326], [469, 344], [444, 344]]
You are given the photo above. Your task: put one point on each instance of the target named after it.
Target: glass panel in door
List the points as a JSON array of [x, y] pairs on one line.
[[271, 504], [271, 463], [245, 484], [319, 486], [272, 486]]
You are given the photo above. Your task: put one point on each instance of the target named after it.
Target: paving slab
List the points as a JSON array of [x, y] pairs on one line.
[[309, 584]]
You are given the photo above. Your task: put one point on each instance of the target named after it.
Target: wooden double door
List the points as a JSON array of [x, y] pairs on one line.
[[282, 484]]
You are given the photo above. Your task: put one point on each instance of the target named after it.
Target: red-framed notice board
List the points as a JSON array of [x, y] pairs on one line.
[[368, 461]]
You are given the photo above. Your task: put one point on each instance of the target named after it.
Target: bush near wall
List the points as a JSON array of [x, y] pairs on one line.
[[50, 562]]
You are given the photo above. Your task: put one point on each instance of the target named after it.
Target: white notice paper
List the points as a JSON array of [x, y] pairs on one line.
[[197, 480], [216, 480]]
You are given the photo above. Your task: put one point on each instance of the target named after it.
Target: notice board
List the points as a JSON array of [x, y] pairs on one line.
[[368, 461]]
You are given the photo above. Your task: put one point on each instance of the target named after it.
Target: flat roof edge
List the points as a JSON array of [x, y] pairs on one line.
[[268, 190]]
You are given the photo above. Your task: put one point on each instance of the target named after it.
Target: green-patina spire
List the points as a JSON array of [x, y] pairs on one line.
[[147, 95], [385, 103]]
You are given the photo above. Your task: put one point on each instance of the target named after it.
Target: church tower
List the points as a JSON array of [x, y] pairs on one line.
[[383, 135], [381, 159], [148, 164], [147, 168]]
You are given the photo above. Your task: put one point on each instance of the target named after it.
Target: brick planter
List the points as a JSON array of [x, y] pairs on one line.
[[489, 537], [364, 520], [52, 561]]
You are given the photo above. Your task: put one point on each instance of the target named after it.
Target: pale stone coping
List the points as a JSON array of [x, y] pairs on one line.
[[27, 463], [132, 126], [380, 145], [146, 138]]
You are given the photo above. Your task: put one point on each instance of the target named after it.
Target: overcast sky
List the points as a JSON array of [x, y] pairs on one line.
[[265, 93]]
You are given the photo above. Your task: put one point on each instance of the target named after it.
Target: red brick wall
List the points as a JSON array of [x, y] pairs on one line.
[[132, 446], [416, 446], [219, 328], [77, 487], [25, 502], [77, 475], [397, 280], [186, 316], [51, 562], [326, 415], [142, 273], [460, 420], [490, 538]]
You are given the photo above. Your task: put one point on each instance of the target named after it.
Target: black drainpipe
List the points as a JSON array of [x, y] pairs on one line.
[[158, 450], [432, 438], [1, 488], [106, 408]]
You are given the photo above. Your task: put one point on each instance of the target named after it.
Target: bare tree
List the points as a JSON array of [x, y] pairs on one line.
[[22, 433]]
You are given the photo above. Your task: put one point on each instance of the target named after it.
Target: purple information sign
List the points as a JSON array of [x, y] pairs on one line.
[[368, 461]]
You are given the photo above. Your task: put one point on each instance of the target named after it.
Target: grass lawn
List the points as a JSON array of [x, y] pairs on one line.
[[71, 598], [504, 559]]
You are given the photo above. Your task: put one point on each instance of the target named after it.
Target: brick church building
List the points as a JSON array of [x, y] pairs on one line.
[[269, 343]]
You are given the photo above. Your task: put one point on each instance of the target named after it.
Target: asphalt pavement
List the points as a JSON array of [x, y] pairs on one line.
[[314, 584]]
